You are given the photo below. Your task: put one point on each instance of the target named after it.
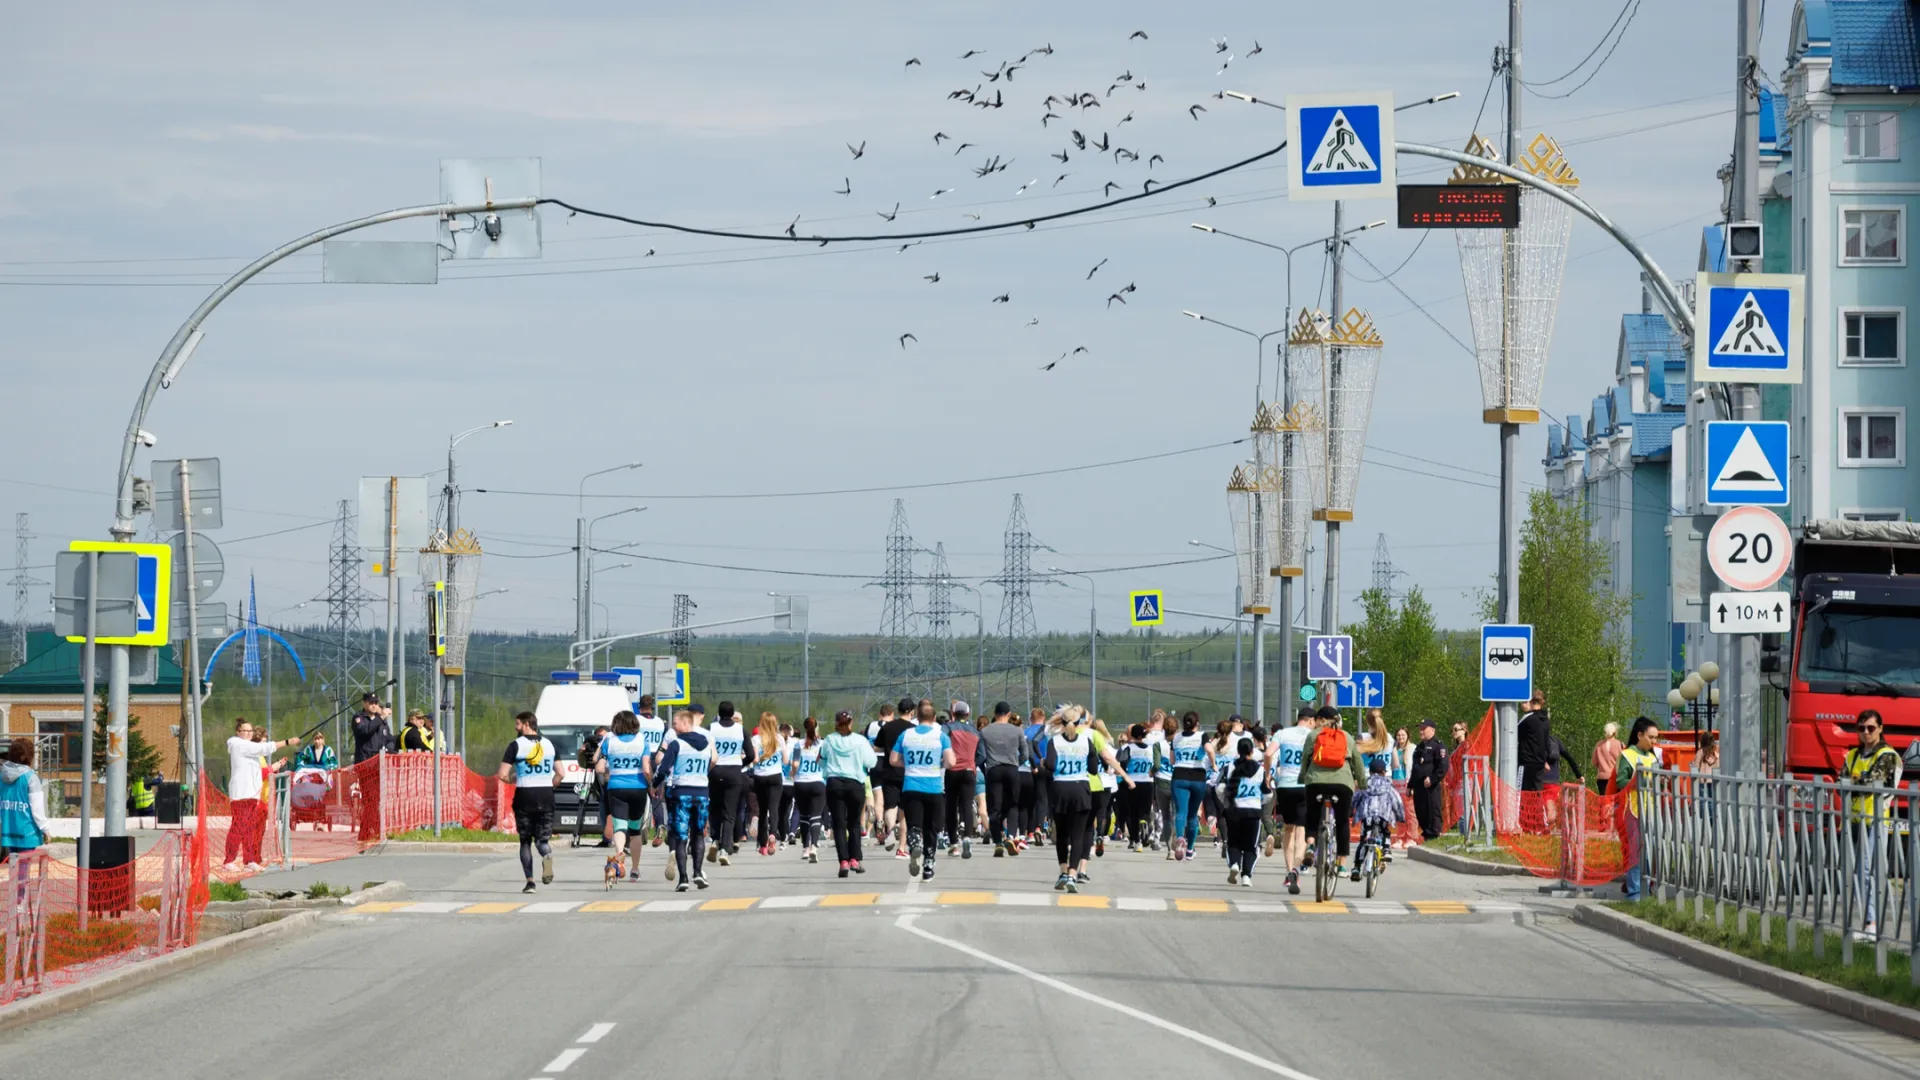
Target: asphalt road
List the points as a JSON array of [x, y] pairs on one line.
[[918, 988]]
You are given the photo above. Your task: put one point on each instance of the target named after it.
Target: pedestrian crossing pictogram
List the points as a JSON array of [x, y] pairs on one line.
[[1750, 328], [1748, 333], [1342, 145], [1148, 607]]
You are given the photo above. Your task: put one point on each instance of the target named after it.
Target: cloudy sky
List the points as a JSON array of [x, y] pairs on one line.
[[151, 149]]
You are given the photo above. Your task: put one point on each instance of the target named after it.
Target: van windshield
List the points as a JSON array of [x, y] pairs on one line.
[[566, 741], [1869, 650]]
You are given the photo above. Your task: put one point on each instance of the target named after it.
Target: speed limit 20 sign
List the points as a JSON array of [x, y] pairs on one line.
[[1749, 548]]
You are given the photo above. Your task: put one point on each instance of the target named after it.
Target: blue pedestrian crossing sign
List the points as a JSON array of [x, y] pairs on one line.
[[1330, 658], [1506, 662], [1366, 690], [1747, 462], [1340, 146], [1748, 328], [1149, 607], [682, 690]]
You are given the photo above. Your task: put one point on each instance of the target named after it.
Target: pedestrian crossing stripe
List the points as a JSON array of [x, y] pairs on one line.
[[1748, 333], [1184, 905]]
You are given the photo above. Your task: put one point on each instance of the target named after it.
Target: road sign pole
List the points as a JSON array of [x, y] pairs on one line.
[[1259, 669], [86, 724], [118, 672], [1239, 606], [1741, 726]]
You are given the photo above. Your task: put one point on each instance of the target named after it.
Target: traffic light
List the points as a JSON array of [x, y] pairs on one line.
[[1743, 241]]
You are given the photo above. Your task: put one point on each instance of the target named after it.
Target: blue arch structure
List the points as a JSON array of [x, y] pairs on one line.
[[207, 676]]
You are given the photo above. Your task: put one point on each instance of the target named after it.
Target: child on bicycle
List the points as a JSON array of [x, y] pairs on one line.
[[1380, 808]]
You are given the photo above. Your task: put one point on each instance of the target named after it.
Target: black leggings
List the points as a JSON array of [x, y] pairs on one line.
[[922, 811], [726, 785], [1003, 798], [1136, 809], [811, 799], [787, 820], [960, 817], [766, 791], [1072, 821], [1342, 814], [1163, 802], [846, 799], [1243, 837], [1038, 807], [1103, 811]]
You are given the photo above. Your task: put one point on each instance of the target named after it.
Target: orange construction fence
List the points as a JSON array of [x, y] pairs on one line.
[[62, 924]]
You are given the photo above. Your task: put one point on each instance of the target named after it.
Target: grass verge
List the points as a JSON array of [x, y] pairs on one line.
[[225, 891], [450, 834], [1452, 845], [1895, 987]]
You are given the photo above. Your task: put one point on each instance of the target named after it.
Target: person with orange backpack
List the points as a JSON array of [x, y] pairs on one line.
[[1332, 771]]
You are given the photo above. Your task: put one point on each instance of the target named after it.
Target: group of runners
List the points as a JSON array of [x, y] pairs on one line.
[[917, 782]]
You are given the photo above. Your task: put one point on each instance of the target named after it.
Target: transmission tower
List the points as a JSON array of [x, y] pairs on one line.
[[899, 663], [680, 642], [21, 582], [352, 651], [1383, 568], [941, 661], [1016, 675]]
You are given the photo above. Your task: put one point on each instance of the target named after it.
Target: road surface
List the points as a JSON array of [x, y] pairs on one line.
[[783, 970]]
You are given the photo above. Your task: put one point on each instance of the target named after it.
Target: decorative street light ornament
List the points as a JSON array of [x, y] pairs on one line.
[[1253, 514], [1279, 440], [1513, 279], [1305, 459], [454, 560], [1353, 369]]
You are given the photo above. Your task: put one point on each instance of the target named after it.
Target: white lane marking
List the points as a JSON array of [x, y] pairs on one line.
[[896, 899], [1138, 903], [1252, 908], [790, 901], [668, 905], [550, 907], [905, 922], [565, 1060], [435, 907], [1026, 899], [595, 1033]]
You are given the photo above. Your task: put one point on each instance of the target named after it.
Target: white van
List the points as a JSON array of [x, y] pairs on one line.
[[568, 713]]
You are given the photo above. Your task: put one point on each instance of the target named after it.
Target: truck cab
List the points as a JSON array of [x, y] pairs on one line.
[[1856, 640], [569, 710]]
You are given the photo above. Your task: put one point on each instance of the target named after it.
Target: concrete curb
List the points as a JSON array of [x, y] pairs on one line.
[[1794, 987], [428, 847], [1459, 865], [133, 977], [386, 890]]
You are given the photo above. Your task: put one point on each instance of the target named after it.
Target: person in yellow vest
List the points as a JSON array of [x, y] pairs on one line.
[[140, 797], [1872, 764], [1639, 754]]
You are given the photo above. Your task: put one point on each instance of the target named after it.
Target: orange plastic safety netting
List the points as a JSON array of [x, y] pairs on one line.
[[1478, 745], [60, 924]]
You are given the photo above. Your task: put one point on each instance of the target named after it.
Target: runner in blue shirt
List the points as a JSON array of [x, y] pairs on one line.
[[923, 755]]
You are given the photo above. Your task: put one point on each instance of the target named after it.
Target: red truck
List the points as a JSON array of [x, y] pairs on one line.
[[1856, 639]]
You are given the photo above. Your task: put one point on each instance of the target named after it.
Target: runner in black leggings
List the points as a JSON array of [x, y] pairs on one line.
[[810, 787], [848, 759], [1069, 760]]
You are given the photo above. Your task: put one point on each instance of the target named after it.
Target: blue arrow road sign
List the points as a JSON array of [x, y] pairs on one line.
[[1506, 663], [1330, 658], [1366, 690], [1342, 145], [1750, 328], [1747, 462]]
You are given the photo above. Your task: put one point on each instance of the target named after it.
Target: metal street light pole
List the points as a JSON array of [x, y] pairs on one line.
[[1259, 348], [1093, 640], [441, 698], [608, 625], [586, 573], [806, 651], [1239, 609], [980, 638], [463, 681], [581, 631]]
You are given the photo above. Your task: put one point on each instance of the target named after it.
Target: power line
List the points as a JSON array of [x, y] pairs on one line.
[[876, 488], [869, 577], [1621, 14], [1629, 10]]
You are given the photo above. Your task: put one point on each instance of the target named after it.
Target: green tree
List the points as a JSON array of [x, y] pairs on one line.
[[143, 759], [1580, 650], [1426, 678]]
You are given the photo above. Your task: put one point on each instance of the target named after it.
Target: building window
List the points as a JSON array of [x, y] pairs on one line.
[[1873, 337], [65, 736], [1873, 135], [1872, 513], [1872, 236], [1873, 437]]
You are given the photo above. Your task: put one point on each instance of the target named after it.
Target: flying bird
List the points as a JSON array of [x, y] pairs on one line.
[[1124, 119], [1147, 188], [961, 93], [1107, 189], [992, 166], [1079, 140], [1141, 34], [1079, 350], [1044, 50], [933, 277], [1002, 298], [938, 135], [1096, 266], [791, 224], [1062, 176], [1153, 159], [962, 146], [1011, 68], [1195, 111], [970, 54], [1028, 184], [912, 61], [939, 193], [1115, 296], [1225, 66], [1141, 85], [1059, 156], [1051, 101], [889, 216], [1088, 101], [1125, 77], [1219, 45], [858, 152], [1056, 363], [1049, 116], [994, 76], [1256, 50], [648, 255], [905, 246], [845, 190], [1121, 151], [904, 338], [969, 216], [1035, 321], [1102, 144], [1210, 201]]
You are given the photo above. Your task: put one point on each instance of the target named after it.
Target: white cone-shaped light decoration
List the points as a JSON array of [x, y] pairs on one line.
[[1252, 514], [1353, 370], [1305, 449], [1526, 264]]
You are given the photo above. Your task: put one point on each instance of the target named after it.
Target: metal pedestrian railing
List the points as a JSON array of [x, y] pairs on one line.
[[1476, 801], [1819, 856], [23, 922]]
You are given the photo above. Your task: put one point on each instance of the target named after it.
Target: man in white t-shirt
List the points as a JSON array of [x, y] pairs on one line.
[[1287, 755], [247, 764]]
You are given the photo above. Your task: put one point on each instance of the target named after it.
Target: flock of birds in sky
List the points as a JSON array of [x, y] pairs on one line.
[[1082, 146]]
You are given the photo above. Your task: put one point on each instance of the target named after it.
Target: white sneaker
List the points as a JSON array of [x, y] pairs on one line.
[[1233, 876], [231, 868], [254, 868]]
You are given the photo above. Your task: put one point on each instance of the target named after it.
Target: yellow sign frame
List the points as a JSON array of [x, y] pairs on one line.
[[1159, 607], [162, 554]]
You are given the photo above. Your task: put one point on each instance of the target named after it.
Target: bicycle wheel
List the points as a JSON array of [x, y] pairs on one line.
[[1373, 869], [1323, 875]]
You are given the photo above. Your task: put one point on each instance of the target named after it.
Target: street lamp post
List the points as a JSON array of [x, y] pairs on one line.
[[806, 649], [581, 631], [1239, 609], [586, 575], [441, 699], [463, 682], [980, 640], [1093, 640]]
